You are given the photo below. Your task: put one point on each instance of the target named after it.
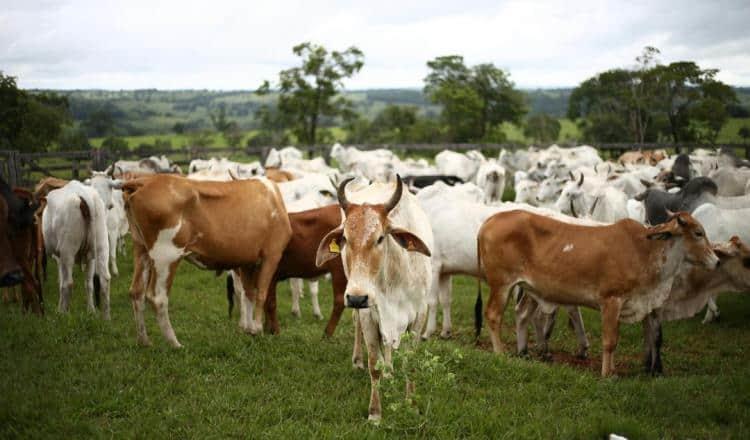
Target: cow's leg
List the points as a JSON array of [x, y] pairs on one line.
[[141, 272], [248, 281], [158, 295], [88, 283], [652, 341], [297, 285], [338, 285], [314, 286], [372, 340], [446, 296], [113, 255], [499, 291], [576, 321], [272, 320], [712, 310], [525, 310], [357, 354], [432, 301], [102, 273], [610, 333], [265, 275], [65, 278]]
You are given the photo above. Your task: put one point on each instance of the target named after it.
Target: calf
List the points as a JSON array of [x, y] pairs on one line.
[[384, 244], [215, 225], [625, 270], [74, 227], [298, 261]]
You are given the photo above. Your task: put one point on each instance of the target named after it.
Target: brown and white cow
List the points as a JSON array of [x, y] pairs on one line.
[[384, 244], [215, 225], [625, 269], [298, 261]]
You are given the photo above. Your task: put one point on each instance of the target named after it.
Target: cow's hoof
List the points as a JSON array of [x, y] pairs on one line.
[[175, 344], [144, 342], [358, 365], [446, 334], [319, 316], [296, 313], [582, 354], [374, 418], [524, 354], [546, 356]]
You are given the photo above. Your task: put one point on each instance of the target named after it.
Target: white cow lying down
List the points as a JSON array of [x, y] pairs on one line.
[[74, 226]]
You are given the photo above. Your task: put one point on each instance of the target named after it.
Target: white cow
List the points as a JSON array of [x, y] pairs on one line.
[[278, 159], [603, 203], [74, 226], [463, 166], [384, 242], [117, 223], [731, 181], [721, 225], [491, 178]]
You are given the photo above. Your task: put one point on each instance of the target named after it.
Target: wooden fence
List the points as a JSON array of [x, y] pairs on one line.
[[24, 169]]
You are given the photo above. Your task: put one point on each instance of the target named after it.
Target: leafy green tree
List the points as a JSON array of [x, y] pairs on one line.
[[74, 139], [178, 128], [542, 127], [99, 123], [473, 99], [30, 122], [115, 145], [309, 92], [220, 121], [744, 133]]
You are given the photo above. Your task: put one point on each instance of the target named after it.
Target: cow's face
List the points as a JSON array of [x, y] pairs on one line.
[[681, 225], [571, 200], [735, 261], [549, 190], [364, 241], [103, 185]]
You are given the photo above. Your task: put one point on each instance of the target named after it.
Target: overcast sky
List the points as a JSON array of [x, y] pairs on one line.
[[65, 44]]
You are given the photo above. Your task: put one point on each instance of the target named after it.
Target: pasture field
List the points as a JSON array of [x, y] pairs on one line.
[[75, 376]]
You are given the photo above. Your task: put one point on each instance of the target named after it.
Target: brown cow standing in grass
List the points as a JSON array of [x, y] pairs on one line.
[[625, 269], [215, 225], [18, 255], [298, 261]]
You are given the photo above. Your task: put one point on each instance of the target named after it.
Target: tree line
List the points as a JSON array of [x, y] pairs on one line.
[[678, 102]]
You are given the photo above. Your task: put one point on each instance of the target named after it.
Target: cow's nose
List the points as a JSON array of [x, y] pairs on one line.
[[11, 278], [357, 301]]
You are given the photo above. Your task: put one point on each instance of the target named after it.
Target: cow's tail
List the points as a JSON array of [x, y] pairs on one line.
[[230, 293], [478, 304], [86, 214]]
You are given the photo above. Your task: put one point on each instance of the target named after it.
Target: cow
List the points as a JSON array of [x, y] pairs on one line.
[[18, 250], [74, 227], [455, 219], [648, 157], [464, 166], [604, 204], [384, 242], [696, 192], [111, 196], [692, 288], [625, 269], [731, 181], [491, 178], [298, 261], [218, 226], [422, 181], [721, 224]]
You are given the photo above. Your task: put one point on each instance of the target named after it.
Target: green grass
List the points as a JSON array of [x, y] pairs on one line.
[[76, 376]]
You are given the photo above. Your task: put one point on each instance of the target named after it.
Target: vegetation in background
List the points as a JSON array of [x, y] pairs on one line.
[[542, 128], [311, 92], [680, 102], [474, 100], [30, 122]]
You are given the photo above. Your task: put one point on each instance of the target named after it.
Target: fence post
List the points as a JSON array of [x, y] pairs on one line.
[[75, 169], [14, 168]]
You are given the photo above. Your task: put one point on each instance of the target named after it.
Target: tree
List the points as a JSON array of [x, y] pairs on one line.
[[31, 122], [178, 128], [473, 99], [542, 128], [115, 145], [99, 123], [74, 139], [744, 133], [309, 92]]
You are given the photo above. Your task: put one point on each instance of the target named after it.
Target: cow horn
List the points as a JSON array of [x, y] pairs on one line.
[[390, 204], [111, 172], [593, 206], [580, 182], [572, 209], [572, 177], [341, 194]]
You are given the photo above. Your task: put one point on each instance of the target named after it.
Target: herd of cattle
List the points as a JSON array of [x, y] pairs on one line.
[[647, 238]]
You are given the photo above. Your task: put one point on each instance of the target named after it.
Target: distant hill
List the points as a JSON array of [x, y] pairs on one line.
[[151, 111]]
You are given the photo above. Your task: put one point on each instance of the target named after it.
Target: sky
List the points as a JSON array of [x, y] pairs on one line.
[[231, 45]]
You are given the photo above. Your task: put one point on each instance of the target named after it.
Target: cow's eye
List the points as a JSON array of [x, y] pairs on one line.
[[699, 234], [381, 238], [110, 206], [342, 241]]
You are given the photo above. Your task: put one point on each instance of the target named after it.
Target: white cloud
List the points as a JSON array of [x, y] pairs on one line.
[[233, 45]]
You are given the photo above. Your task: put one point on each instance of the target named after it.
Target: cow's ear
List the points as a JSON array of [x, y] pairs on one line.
[[660, 235], [409, 241], [330, 247]]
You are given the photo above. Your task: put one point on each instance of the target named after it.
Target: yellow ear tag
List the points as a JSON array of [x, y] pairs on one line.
[[334, 247]]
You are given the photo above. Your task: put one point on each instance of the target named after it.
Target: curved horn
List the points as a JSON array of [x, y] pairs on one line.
[[572, 177], [111, 172], [593, 206], [341, 194], [572, 209], [390, 204], [580, 182]]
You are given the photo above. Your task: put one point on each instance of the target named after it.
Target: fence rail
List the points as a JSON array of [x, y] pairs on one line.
[[24, 169]]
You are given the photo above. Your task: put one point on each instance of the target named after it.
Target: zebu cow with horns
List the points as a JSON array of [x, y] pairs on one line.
[[384, 242]]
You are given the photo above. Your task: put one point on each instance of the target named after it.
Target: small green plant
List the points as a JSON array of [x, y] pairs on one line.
[[408, 386]]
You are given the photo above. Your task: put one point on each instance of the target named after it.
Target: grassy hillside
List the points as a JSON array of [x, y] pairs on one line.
[[76, 376]]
